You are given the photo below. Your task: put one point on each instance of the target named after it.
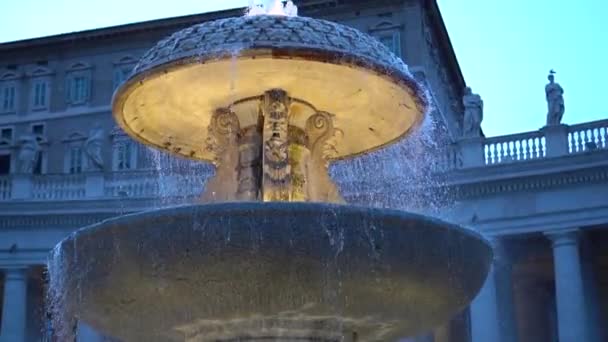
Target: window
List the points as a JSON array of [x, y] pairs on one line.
[[75, 159], [78, 84], [121, 73], [38, 129], [123, 152], [5, 164], [6, 134], [9, 93], [78, 91], [40, 94], [389, 34], [391, 41]]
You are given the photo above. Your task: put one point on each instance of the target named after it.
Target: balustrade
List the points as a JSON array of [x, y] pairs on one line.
[[514, 148], [131, 184], [589, 136], [448, 159], [5, 188], [59, 187]]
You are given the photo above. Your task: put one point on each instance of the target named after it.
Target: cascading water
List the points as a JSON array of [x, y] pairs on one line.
[[288, 101]]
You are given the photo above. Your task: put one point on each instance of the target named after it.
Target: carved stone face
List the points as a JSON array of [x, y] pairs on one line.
[[551, 78]]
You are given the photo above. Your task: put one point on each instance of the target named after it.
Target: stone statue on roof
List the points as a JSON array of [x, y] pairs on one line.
[[555, 101], [473, 114]]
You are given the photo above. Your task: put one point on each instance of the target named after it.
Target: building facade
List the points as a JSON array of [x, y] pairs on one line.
[[541, 196]]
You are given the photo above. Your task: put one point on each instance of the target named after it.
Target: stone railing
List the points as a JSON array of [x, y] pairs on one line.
[[131, 184], [514, 148], [589, 136], [448, 159], [119, 185], [548, 142], [5, 188], [58, 187]]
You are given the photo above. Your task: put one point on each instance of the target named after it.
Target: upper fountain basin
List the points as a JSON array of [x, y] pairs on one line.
[[168, 100]]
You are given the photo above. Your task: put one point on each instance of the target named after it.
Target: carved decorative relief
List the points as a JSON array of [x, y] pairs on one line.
[[277, 171], [223, 142], [273, 159], [323, 137]]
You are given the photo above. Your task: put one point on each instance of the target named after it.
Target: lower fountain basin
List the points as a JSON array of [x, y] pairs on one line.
[[267, 272]]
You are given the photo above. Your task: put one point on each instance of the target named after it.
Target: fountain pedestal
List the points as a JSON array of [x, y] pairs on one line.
[[272, 148]]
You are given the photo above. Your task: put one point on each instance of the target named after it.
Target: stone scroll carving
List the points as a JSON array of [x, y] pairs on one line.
[[323, 138], [222, 140]]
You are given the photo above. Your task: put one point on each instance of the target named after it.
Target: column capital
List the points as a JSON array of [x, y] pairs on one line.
[[564, 237]]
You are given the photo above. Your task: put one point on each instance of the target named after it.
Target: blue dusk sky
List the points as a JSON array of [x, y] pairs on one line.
[[505, 48]]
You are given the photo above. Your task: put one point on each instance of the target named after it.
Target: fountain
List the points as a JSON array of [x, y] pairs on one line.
[[272, 253]]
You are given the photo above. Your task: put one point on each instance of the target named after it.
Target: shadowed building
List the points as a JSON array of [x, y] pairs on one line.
[[540, 195]]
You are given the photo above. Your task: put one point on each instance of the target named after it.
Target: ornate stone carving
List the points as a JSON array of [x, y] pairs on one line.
[[223, 140], [93, 148], [555, 101], [28, 154], [323, 137], [277, 171], [299, 161], [250, 163], [473, 114], [273, 159]]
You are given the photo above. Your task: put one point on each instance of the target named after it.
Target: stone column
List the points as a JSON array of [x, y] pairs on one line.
[[492, 311], [504, 292], [14, 308], [569, 287], [485, 325]]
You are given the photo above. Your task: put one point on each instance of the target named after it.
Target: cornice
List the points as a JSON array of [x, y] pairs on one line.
[[174, 23], [534, 183], [526, 176]]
